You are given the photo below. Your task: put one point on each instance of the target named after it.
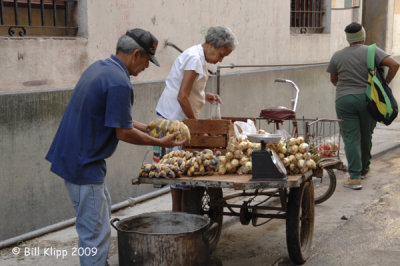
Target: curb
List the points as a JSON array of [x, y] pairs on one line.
[[378, 154]]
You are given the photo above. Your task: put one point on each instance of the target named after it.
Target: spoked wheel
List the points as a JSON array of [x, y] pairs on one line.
[[203, 201], [324, 184], [300, 222]]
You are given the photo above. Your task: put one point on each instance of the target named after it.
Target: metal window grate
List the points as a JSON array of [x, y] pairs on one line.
[[38, 17], [307, 15]]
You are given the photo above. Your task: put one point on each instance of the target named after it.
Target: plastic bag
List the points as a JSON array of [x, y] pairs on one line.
[[215, 112], [285, 135], [242, 129]]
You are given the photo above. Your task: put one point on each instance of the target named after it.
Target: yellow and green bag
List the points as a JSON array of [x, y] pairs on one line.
[[380, 101]]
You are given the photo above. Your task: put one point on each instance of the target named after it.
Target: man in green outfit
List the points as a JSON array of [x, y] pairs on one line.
[[349, 73]]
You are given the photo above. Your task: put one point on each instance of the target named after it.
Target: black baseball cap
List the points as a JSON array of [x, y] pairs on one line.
[[147, 41]]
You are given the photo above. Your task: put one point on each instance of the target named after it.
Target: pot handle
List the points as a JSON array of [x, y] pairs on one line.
[[113, 221], [206, 233]]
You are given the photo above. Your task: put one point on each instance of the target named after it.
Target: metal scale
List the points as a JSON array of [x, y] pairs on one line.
[[266, 164]]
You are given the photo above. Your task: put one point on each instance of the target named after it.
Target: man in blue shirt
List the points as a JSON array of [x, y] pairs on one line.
[[97, 117]]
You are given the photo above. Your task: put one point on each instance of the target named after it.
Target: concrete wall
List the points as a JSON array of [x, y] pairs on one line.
[[262, 29], [396, 28]]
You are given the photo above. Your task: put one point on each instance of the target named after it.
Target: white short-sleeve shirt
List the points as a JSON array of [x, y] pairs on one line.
[[168, 105]]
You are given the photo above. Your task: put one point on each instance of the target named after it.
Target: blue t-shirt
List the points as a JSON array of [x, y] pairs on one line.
[[102, 101]]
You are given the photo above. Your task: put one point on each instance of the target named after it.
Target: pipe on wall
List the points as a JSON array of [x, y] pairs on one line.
[[61, 225]]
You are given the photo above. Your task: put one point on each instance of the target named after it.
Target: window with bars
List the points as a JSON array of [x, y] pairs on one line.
[[38, 17], [306, 16]]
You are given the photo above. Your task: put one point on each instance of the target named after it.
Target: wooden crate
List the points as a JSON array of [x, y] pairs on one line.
[[243, 119], [208, 134]]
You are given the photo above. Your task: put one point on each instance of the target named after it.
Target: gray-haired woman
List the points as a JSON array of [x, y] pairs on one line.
[[184, 94]]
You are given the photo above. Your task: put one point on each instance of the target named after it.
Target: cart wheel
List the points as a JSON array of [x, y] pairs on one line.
[[324, 185], [203, 201], [300, 222]]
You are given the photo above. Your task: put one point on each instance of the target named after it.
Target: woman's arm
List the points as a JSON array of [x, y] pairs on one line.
[[393, 66], [189, 77]]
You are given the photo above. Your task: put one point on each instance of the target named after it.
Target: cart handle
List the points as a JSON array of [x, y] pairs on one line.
[[297, 91]]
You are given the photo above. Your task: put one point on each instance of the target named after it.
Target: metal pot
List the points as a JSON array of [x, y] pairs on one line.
[[162, 238]]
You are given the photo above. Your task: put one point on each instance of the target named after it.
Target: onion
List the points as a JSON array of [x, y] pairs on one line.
[[292, 141], [283, 149], [243, 145], [241, 139], [300, 140], [231, 147], [244, 160], [281, 155], [221, 169], [249, 166], [299, 156], [242, 170], [253, 146], [311, 164], [235, 163], [261, 131], [307, 156], [293, 149], [285, 162], [300, 163], [292, 158], [238, 154], [228, 156], [228, 166], [222, 159], [292, 167], [303, 147]]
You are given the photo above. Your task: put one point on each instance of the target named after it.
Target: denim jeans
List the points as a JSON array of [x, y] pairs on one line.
[[92, 204]]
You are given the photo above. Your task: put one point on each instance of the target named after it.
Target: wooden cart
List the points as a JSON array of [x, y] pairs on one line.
[[290, 198]]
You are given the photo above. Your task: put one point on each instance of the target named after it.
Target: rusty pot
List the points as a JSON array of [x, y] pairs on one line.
[[162, 238]]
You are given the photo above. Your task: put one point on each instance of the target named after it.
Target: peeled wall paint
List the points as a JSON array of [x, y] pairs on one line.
[[31, 64]]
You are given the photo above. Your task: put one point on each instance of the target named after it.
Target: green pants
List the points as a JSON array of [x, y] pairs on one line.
[[357, 129]]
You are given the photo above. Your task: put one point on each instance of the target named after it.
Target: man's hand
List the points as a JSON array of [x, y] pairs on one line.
[[169, 141]]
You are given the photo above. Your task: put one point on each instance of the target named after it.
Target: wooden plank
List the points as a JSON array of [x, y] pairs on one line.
[[223, 151], [208, 141], [237, 182], [209, 126]]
